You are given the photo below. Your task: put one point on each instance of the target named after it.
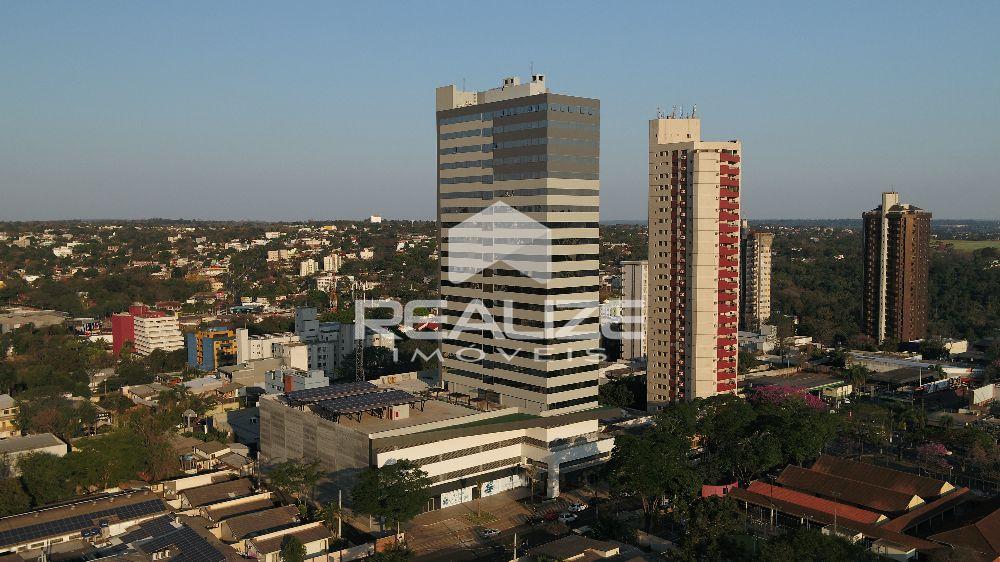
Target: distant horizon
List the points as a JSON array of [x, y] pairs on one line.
[[406, 219], [234, 110]]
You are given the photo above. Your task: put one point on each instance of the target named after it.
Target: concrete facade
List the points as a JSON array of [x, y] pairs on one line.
[[755, 281], [521, 150], [896, 268], [635, 292], [694, 227]]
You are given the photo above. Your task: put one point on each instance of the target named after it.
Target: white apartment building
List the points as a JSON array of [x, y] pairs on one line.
[[157, 332], [332, 263], [635, 294], [326, 282], [329, 343], [755, 285], [250, 348], [694, 269], [308, 267]]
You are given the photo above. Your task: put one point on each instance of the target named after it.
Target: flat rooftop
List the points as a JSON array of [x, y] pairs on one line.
[[434, 411]]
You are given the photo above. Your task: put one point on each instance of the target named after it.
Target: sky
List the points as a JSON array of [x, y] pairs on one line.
[[322, 110]]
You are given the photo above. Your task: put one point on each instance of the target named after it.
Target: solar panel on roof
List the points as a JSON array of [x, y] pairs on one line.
[[192, 546], [311, 395], [79, 522], [364, 402], [149, 529]]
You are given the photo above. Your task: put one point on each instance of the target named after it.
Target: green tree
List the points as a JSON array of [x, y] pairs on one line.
[[857, 374], [746, 362], [295, 478], [616, 394], [653, 466], [292, 549], [394, 493], [13, 498], [45, 478], [710, 524], [810, 545]]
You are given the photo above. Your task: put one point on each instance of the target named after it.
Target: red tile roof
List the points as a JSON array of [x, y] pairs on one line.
[[854, 492], [982, 536], [795, 504], [916, 516], [926, 488], [794, 498]]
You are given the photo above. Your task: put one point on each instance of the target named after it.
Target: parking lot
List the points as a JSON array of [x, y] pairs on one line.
[[451, 534]]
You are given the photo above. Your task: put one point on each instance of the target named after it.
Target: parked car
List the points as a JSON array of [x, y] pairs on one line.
[[489, 533], [568, 517], [576, 507]]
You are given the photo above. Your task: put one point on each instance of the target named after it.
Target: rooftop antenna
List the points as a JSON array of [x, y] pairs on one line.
[[673, 112], [683, 116], [659, 113], [694, 111]]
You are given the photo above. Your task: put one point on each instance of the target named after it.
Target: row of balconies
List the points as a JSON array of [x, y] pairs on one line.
[[728, 170], [729, 157]]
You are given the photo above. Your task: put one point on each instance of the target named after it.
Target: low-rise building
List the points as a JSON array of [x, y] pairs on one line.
[[15, 317], [103, 517], [315, 537], [13, 448], [8, 416], [289, 379], [466, 452], [214, 493]]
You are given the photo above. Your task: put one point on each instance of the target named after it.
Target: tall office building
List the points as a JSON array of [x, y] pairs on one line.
[[755, 279], [518, 197], [694, 247], [896, 263], [635, 293]]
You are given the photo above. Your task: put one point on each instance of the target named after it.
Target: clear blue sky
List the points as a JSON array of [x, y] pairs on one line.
[[325, 110]]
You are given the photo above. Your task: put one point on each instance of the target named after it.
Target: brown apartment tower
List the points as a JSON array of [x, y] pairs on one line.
[[694, 263], [896, 261]]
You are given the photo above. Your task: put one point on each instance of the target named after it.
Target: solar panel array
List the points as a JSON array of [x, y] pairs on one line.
[[150, 529], [77, 523], [364, 402], [192, 546], [313, 395]]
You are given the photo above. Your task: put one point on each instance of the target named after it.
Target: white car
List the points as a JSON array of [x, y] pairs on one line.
[[568, 517], [489, 533], [576, 507]]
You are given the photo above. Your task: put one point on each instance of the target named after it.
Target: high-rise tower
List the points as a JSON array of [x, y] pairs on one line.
[[755, 279], [896, 264], [694, 269], [635, 293], [518, 198]]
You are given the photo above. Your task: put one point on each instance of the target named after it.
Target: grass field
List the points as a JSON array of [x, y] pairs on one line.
[[971, 245]]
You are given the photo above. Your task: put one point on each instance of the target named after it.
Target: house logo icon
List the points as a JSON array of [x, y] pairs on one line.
[[498, 237]]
